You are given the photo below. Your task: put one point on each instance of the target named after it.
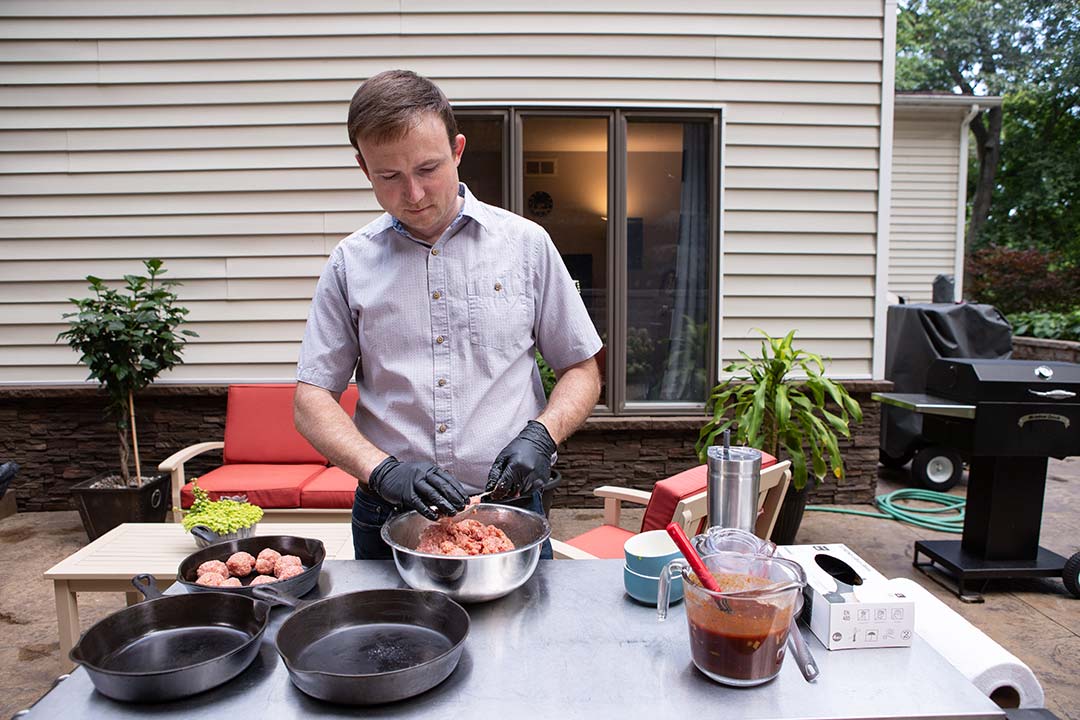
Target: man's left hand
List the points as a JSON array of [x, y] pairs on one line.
[[524, 465]]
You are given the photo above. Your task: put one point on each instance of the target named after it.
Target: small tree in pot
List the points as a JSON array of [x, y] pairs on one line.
[[127, 339], [783, 415]]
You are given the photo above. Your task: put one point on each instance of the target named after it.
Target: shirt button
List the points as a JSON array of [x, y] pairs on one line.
[[442, 381], [440, 339], [442, 428], [498, 287], [435, 295], [434, 251]]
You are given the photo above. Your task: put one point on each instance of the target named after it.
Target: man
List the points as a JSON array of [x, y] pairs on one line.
[[436, 307]]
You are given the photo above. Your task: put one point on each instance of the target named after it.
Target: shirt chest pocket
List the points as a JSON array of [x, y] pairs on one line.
[[499, 315]]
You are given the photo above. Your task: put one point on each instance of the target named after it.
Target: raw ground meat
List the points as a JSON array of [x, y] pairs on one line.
[[210, 579], [264, 564], [264, 580], [240, 564], [465, 537], [289, 570], [213, 566], [232, 582]]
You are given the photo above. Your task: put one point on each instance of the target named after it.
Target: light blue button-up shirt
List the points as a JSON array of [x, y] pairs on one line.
[[440, 337]]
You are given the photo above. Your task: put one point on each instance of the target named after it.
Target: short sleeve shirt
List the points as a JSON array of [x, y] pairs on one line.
[[441, 337]]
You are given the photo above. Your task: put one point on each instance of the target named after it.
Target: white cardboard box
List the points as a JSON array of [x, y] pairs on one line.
[[850, 603]]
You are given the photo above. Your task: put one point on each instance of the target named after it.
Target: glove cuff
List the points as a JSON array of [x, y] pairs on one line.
[[540, 434], [376, 476]]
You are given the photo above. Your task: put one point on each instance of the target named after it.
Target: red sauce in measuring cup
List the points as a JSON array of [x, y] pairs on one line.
[[745, 644]]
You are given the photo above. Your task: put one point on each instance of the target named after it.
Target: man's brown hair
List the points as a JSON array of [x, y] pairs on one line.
[[388, 105]]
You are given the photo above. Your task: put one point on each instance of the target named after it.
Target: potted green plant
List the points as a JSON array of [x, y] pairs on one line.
[[126, 338], [780, 402]]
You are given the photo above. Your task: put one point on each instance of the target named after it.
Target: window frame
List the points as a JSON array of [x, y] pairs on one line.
[[618, 117]]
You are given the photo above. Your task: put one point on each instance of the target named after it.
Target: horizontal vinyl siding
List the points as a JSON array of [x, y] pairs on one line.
[[925, 197], [212, 135]]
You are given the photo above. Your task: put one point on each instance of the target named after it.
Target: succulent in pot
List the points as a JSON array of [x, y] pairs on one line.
[[227, 518]]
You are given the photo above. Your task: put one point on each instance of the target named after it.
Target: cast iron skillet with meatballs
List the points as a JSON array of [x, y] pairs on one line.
[[311, 553]]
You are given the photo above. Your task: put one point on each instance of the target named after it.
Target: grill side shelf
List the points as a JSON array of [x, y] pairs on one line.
[[927, 404]]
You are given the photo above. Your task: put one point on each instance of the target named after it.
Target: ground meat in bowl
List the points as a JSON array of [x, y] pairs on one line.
[[465, 537]]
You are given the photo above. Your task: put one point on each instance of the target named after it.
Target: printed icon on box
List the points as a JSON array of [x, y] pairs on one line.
[[871, 636], [905, 634], [836, 637], [888, 634], [864, 615], [880, 614], [847, 616], [898, 613]]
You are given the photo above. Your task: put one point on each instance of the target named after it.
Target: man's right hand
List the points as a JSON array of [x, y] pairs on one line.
[[419, 486]]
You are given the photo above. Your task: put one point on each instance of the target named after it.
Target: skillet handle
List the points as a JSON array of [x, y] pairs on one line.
[[205, 534], [147, 585], [275, 596]]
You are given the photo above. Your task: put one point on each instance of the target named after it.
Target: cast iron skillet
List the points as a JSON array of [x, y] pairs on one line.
[[372, 646], [171, 646], [311, 553]]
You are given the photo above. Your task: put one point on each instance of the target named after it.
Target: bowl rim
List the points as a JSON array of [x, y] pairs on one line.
[[405, 516]]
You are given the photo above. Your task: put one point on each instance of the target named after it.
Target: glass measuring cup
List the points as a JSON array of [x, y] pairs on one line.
[[720, 539], [738, 635]]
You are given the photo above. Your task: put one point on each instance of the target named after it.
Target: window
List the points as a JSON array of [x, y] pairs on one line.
[[631, 200]]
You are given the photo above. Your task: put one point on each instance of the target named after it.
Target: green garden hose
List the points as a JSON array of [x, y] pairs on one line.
[[924, 517]]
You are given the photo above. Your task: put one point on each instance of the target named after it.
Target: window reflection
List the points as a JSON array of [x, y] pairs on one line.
[[667, 255]]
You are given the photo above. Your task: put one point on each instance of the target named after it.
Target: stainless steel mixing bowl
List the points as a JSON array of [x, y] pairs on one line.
[[474, 578]]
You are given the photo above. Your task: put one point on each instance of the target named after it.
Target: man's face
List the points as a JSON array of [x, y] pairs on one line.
[[415, 178]]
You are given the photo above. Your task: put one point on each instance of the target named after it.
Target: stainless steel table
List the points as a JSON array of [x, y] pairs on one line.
[[571, 644]]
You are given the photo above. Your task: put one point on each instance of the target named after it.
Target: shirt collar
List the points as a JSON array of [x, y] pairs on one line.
[[471, 208]]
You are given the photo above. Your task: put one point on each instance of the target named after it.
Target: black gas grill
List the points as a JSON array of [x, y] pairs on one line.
[[1006, 417]]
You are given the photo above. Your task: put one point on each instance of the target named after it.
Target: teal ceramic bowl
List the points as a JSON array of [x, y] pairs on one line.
[[644, 588], [648, 553]]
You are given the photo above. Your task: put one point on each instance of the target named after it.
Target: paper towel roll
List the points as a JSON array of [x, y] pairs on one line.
[[995, 671]]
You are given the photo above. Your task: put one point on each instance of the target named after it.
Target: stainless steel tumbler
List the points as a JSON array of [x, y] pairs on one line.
[[734, 479]]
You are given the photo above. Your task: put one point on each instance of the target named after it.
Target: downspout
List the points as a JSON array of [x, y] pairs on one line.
[[961, 202]]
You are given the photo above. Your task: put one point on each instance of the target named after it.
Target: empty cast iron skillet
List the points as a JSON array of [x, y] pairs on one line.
[[372, 646], [171, 646]]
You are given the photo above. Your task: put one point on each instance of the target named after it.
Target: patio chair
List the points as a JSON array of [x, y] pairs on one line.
[[681, 498]]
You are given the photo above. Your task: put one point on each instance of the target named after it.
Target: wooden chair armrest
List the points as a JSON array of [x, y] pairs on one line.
[[562, 551], [614, 497], [174, 465]]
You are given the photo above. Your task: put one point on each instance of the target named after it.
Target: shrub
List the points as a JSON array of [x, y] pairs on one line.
[[1047, 325], [1017, 281]]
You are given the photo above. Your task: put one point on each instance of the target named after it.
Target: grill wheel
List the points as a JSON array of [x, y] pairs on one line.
[[1071, 575], [937, 468]]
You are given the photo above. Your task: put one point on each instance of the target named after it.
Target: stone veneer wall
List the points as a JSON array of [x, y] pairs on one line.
[[1028, 348], [59, 437]]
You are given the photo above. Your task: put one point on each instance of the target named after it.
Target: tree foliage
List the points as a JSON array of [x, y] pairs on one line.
[[1029, 52], [127, 339]]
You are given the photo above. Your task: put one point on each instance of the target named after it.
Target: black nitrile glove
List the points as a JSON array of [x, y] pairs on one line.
[[523, 465], [420, 486]]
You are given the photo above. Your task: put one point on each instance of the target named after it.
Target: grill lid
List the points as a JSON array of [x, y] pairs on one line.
[[1024, 381]]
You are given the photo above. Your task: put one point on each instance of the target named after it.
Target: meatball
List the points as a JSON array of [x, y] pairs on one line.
[[287, 561], [231, 582], [284, 572], [264, 564], [210, 580], [213, 566], [240, 564], [263, 580]]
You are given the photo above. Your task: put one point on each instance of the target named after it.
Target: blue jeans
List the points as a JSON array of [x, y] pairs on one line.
[[370, 513]]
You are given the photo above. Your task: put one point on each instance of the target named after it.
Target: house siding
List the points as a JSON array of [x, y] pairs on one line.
[[925, 199], [212, 135]]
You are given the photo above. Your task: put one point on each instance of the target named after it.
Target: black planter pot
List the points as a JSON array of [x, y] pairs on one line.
[[102, 509], [790, 516]]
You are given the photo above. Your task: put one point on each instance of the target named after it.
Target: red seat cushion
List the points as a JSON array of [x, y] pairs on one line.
[[259, 426], [349, 398], [332, 488], [268, 486], [605, 541], [666, 494]]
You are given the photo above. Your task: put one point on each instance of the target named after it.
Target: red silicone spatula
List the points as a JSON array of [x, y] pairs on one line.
[[683, 543]]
